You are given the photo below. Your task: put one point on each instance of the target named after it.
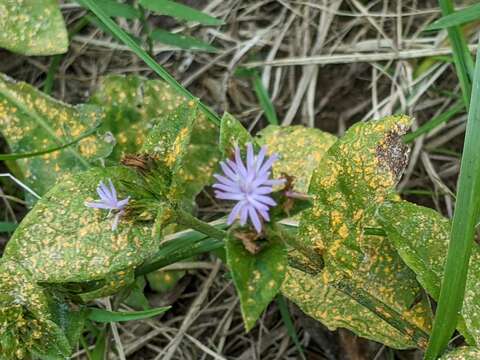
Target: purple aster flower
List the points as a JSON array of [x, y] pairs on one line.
[[248, 185], [109, 201]]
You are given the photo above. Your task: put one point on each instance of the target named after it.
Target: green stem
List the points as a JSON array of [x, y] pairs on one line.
[[192, 222]]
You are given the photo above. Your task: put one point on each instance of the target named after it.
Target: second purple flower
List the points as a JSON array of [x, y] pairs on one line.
[[249, 185]]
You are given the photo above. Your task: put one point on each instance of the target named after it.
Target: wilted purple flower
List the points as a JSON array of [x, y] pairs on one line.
[[248, 185], [109, 201]]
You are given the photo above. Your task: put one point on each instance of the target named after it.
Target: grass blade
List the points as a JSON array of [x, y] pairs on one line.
[[264, 100], [434, 122], [180, 41], [6, 227], [465, 217], [460, 17], [461, 54], [15, 156], [287, 320], [105, 316], [127, 40], [179, 11]]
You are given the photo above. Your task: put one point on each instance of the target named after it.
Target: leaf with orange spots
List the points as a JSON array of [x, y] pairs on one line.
[[26, 325], [300, 149], [462, 353], [353, 179], [232, 133], [132, 106], [185, 143], [61, 241], [257, 277], [32, 27], [32, 121], [421, 237]]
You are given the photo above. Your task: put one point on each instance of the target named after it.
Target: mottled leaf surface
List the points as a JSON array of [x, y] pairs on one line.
[[31, 121], [232, 133], [421, 236], [257, 277], [133, 106], [462, 353], [354, 177], [300, 149], [26, 324], [61, 240], [32, 27]]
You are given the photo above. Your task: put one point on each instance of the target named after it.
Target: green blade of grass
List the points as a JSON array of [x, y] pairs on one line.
[[179, 11], [287, 321], [434, 122], [461, 54], [15, 156], [105, 316], [460, 17], [264, 100], [6, 227], [467, 209], [181, 41], [127, 40]]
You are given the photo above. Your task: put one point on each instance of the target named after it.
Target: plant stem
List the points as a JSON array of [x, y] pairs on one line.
[[192, 222]]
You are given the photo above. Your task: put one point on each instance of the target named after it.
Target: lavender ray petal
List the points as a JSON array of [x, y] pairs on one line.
[[258, 205], [274, 182], [266, 200], [223, 180], [122, 203], [229, 196], [262, 190], [116, 220], [238, 161], [264, 214], [113, 191], [228, 172], [260, 158], [98, 205], [268, 164], [255, 220], [244, 214], [250, 158], [234, 213], [226, 188]]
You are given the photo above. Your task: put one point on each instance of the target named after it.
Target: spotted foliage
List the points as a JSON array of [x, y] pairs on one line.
[[300, 150], [133, 106], [353, 179], [257, 277], [32, 27], [462, 353], [31, 121], [26, 323], [61, 241], [421, 236]]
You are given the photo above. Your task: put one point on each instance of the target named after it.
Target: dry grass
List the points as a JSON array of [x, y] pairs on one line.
[[326, 64]]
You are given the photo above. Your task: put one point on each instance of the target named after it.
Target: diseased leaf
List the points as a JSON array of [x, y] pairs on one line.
[[26, 324], [32, 27], [63, 241], [300, 150], [462, 353], [162, 281], [421, 237], [353, 179], [257, 277], [133, 105], [32, 121], [232, 133]]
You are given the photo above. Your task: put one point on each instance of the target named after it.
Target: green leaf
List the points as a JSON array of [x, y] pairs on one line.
[[70, 320], [32, 121], [135, 296], [301, 150], [116, 9], [181, 41], [257, 277], [7, 226], [105, 316], [462, 353], [353, 179], [179, 11], [162, 281], [32, 27], [133, 105], [459, 17], [63, 241], [232, 133], [185, 143], [26, 324], [421, 236]]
